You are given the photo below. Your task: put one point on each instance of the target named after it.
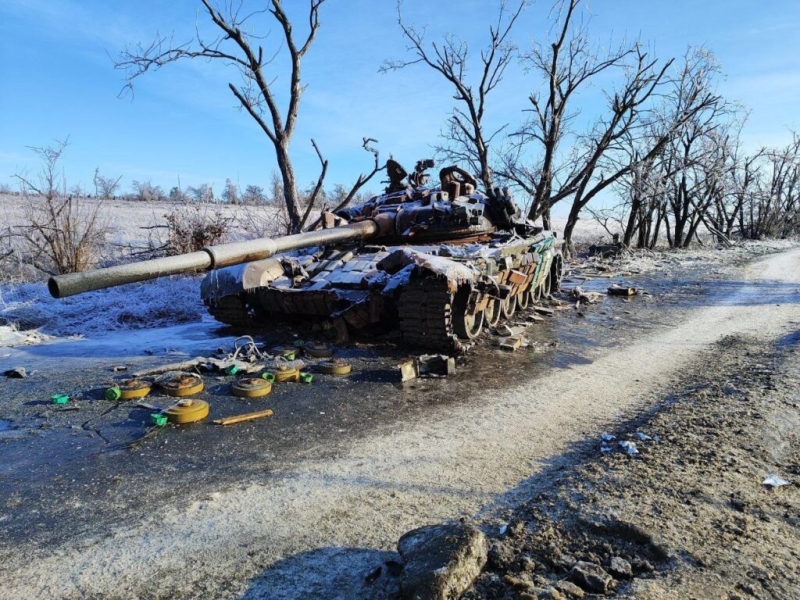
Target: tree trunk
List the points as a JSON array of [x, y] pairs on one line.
[[289, 184]]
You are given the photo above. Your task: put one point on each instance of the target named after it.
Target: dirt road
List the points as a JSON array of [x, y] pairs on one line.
[[319, 526]]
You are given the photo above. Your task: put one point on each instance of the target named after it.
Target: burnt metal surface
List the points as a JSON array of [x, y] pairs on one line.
[[444, 258]]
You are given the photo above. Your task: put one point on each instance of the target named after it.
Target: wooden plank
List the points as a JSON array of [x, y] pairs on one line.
[[245, 417]]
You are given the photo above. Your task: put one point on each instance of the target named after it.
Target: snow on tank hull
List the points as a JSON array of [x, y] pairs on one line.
[[451, 259], [438, 296]]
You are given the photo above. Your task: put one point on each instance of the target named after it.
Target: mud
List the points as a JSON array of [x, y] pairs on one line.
[[687, 516]]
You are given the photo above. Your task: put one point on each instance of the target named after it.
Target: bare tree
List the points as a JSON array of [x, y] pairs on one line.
[[230, 192], [235, 45], [772, 209], [61, 234], [105, 187], [253, 194], [567, 65], [145, 191], [203, 193], [466, 138]]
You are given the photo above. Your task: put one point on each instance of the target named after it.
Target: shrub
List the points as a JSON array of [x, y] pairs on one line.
[[190, 228], [60, 233]]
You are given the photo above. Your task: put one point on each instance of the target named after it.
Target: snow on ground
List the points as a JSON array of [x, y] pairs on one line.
[[29, 308]]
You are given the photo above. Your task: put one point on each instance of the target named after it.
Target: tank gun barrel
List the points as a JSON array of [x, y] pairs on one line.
[[211, 257]]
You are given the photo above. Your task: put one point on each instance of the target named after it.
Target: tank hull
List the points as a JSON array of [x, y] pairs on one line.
[[426, 291]]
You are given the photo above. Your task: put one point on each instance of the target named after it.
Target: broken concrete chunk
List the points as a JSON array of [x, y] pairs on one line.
[[442, 561], [620, 568], [590, 577], [512, 343], [569, 589]]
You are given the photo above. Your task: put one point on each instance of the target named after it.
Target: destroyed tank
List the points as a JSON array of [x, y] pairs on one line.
[[438, 262]]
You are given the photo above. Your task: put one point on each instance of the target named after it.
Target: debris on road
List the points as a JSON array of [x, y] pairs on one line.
[[582, 297], [59, 398], [427, 365], [616, 290], [629, 447], [244, 417], [512, 343], [16, 373], [773, 481]]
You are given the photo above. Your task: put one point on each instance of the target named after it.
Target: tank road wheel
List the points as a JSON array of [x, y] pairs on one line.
[[536, 292], [523, 298], [556, 273], [493, 312], [465, 325], [546, 286], [508, 307]]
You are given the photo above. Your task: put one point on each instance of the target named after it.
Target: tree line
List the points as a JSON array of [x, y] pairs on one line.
[[659, 159]]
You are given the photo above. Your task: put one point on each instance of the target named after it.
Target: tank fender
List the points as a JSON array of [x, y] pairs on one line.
[[230, 281], [455, 273]]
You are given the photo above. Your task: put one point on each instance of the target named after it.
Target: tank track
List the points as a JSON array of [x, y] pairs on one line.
[[232, 311], [425, 309]]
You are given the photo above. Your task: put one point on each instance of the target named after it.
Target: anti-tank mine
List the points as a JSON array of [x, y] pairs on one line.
[[439, 262]]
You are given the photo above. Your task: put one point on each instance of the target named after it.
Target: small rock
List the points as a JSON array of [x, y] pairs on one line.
[[515, 527], [442, 561], [527, 564], [620, 568], [16, 373], [591, 577], [500, 555], [549, 593], [569, 589], [642, 566], [564, 562], [519, 584]]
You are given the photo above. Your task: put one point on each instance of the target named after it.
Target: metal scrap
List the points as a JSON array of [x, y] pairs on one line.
[[427, 365]]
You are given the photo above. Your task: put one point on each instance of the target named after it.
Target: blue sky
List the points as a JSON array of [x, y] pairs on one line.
[[57, 81]]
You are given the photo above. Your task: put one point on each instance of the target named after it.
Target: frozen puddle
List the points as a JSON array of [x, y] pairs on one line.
[[189, 339]]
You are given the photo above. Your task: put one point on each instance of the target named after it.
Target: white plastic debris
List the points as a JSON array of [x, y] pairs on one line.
[[607, 437], [629, 447], [774, 481], [503, 528], [605, 449], [643, 437]]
